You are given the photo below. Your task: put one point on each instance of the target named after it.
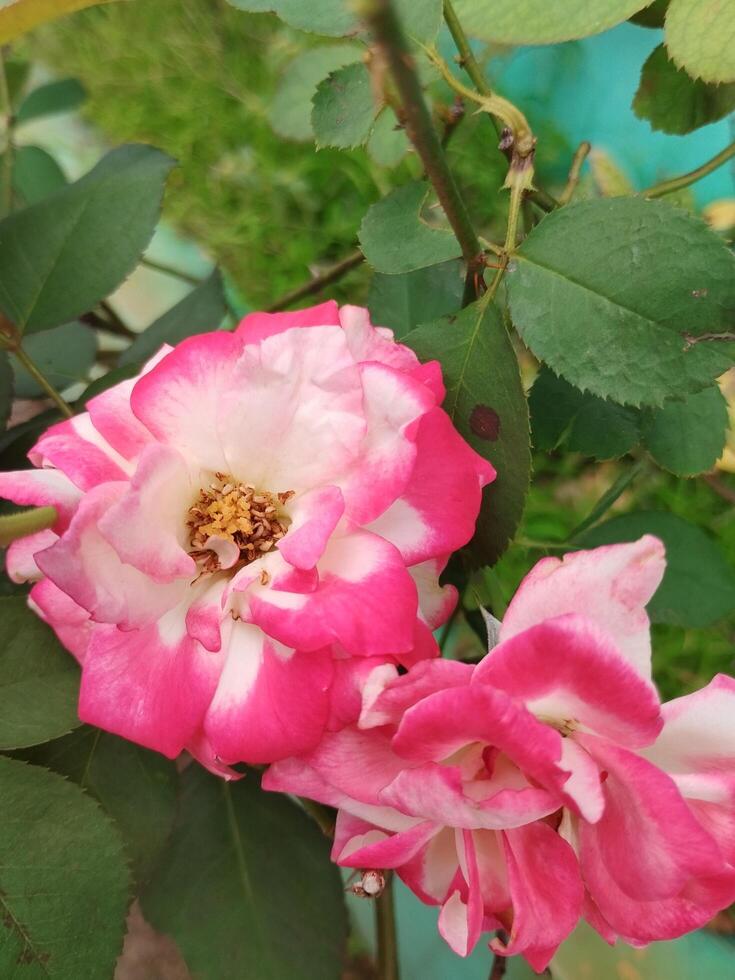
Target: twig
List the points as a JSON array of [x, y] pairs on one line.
[[114, 323], [500, 965], [381, 18], [170, 270], [319, 282], [467, 57], [677, 183], [574, 171], [385, 930], [43, 381], [692, 339], [720, 488]]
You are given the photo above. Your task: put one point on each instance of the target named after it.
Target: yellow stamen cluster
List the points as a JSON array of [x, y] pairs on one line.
[[237, 512]]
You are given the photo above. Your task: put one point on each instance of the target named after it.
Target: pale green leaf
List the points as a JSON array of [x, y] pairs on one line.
[[332, 18], [542, 22], [63, 880], [135, 786], [396, 238], [688, 436], [700, 37], [290, 110], [245, 885], [610, 294], [344, 108], [403, 302], [201, 310], [699, 585], [486, 402], [39, 680], [388, 143], [62, 255], [674, 102]]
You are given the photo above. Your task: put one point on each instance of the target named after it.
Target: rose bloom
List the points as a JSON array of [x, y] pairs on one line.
[[547, 782], [243, 527]]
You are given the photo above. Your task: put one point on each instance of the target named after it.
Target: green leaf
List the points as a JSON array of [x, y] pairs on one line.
[[63, 255], [137, 788], [290, 111], [6, 389], [485, 400], [421, 19], [35, 174], [699, 586], [395, 238], [674, 102], [688, 436], [19, 16], [608, 293], [344, 108], [113, 377], [388, 143], [203, 309], [333, 18], [63, 880], [541, 22], [61, 96], [39, 680], [245, 886], [700, 36], [652, 16], [403, 302], [64, 354], [586, 423]]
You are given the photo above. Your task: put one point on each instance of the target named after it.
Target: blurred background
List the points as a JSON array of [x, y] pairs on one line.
[[228, 94]]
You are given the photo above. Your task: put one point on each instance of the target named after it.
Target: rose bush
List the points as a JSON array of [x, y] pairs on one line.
[[241, 524], [547, 782]]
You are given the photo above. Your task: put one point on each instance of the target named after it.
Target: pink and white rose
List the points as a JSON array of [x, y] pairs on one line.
[[548, 782], [244, 526]]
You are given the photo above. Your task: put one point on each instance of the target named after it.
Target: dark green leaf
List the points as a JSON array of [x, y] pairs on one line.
[[395, 238], [699, 585], [588, 424], [245, 886], [61, 96], [64, 354], [39, 680], [673, 101], [344, 108], [652, 16], [6, 389], [63, 880], [290, 111], [388, 143], [486, 402], [203, 309], [539, 21], [17, 71], [137, 788], [35, 174], [608, 293], [16, 441], [61, 256], [403, 302], [688, 436]]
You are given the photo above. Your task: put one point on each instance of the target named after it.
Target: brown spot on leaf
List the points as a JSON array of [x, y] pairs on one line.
[[485, 422]]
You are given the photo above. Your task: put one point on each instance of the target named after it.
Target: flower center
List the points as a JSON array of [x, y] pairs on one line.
[[251, 519]]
